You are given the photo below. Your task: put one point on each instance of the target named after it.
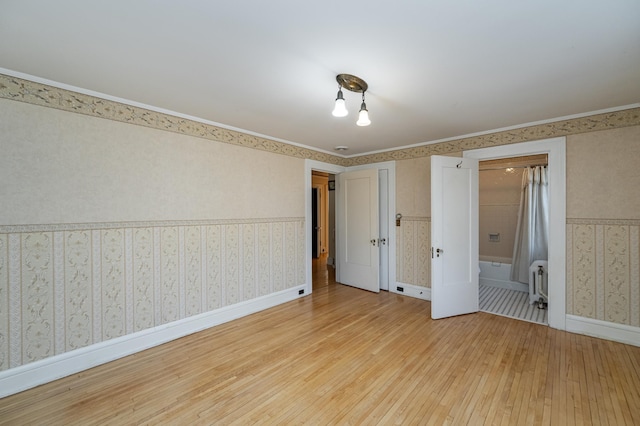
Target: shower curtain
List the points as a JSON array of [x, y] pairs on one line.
[[532, 233]]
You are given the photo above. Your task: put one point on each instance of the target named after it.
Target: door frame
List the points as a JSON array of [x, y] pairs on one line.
[[555, 148], [309, 166]]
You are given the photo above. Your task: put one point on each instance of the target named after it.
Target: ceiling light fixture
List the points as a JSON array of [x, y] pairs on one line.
[[353, 84]]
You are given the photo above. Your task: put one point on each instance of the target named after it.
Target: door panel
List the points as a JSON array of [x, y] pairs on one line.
[[454, 233], [383, 200], [315, 241], [358, 252]]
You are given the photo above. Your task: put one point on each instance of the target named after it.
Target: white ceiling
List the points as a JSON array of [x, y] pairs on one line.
[[436, 69]]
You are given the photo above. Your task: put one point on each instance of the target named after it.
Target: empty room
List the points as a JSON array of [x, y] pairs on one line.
[[319, 213]]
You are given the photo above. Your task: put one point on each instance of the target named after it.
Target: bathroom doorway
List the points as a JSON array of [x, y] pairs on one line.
[[501, 202], [556, 149]]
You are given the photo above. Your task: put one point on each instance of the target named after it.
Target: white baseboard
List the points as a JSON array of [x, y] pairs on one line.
[[604, 330], [410, 290], [56, 367]]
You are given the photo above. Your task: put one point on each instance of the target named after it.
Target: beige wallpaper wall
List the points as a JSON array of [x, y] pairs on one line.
[[108, 228], [413, 255], [603, 225], [603, 278], [603, 174], [413, 251], [114, 218], [413, 187], [66, 287], [413, 259], [71, 168]]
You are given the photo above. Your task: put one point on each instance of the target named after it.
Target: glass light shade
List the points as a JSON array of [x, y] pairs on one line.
[[363, 116], [340, 109]]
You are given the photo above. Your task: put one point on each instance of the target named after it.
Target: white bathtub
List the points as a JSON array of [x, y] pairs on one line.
[[496, 274]]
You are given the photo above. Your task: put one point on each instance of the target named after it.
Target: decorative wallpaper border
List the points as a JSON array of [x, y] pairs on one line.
[[620, 222], [30, 92], [612, 120], [27, 91], [9, 229]]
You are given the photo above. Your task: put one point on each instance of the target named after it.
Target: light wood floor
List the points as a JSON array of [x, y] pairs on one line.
[[346, 356]]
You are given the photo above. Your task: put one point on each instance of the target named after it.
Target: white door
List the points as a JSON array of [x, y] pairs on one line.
[[454, 236], [358, 251], [383, 201]]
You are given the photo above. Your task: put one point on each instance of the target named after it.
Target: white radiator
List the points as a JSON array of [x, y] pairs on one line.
[[538, 282]]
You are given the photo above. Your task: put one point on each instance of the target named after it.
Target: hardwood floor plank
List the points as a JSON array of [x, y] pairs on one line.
[[620, 389], [346, 356]]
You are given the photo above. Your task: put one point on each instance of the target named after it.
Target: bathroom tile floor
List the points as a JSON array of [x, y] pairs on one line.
[[510, 303]]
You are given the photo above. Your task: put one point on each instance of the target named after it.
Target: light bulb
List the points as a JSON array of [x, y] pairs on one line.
[[340, 109], [363, 116]]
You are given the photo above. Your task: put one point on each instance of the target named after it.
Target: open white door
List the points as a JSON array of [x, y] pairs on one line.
[[358, 239], [454, 236]]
